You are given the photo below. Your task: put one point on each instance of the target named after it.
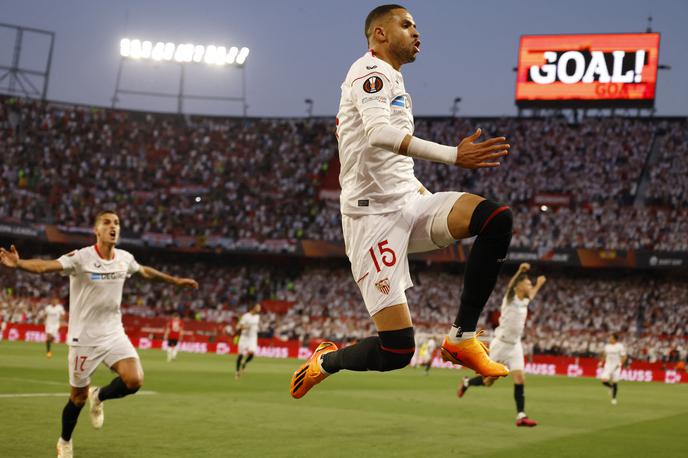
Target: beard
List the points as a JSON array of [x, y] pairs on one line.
[[404, 55]]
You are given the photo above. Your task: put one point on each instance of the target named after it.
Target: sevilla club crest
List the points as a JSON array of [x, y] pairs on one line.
[[383, 286]]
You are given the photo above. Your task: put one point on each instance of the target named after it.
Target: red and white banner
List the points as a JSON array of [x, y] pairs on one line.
[[639, 371]]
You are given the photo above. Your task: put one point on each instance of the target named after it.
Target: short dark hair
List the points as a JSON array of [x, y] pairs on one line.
[[512, 291], [376, 14], [104, 212]]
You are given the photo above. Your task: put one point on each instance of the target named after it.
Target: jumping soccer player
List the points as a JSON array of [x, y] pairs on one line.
[[506, 346], [53, 318], [174, 330], [613, 358], [387, 213], [248, 339], [95, 334]]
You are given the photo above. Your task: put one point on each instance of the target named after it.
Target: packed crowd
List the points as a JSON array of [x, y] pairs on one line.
[[259, 178], [164, 174], [572, 314], [668, 185]]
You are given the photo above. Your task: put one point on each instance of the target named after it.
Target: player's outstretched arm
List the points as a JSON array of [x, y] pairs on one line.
[[524, 267], [11, 260], [538, 284], [150, 273]]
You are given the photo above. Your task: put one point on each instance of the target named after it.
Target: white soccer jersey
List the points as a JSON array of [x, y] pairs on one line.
[[53, 313], [373, 180], [613, 354], [249, 326], [95, 294], [512, 320]]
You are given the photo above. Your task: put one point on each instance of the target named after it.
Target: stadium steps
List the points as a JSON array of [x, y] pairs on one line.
[[653, 153]]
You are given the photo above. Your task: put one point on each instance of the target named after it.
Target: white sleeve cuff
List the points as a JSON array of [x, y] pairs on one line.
[[390, 138]]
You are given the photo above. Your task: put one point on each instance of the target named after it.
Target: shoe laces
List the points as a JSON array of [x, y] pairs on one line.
[[479, 333]]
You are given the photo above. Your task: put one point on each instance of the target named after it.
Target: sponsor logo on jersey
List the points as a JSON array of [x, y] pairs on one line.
[[383, 286], [372, 67], [363, 203], [109, 276], [372, 84]]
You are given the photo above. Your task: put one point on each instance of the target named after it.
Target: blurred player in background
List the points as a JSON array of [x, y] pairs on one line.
[[387, 213], [426, 353], [506, 347], [248, 339], [612, 360], [174, 330], [53, 319], [96, 335]]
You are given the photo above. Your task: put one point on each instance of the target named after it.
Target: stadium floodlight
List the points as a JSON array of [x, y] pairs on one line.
[[134, 48], [243, 54]]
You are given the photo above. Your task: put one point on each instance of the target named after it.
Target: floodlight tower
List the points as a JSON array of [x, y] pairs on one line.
[[21, 80], [182, 54]]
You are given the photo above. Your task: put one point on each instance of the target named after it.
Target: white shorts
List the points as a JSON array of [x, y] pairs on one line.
[[511, 355], [611, 373], [83, 361], [247, 346], [378, 246], [53, 331]]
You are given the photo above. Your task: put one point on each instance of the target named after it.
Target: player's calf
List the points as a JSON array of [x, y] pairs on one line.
[[118, 388], [388, 351], [492, 223]]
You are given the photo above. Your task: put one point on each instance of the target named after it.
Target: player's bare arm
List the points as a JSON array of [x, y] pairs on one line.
[[524, 267], [150, 273], [10, 259], [538, 284]]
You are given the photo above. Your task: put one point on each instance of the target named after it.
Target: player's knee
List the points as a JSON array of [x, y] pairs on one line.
[[133, 382], [397, 348], [491, 218], [78, 396]]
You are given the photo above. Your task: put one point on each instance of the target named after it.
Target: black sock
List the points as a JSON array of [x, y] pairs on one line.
[[492, 223], [476, 381], [520, 398], [248, 360], [47, 346], [115, 390], [238, 361], [391, 350], [428, 365], [70, 414], [615, 389], [607, 384]]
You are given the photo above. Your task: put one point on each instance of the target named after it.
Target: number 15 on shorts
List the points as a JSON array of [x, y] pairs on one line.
[[386, 255]]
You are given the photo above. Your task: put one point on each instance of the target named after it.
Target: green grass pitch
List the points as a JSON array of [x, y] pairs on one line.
[[197, 409]]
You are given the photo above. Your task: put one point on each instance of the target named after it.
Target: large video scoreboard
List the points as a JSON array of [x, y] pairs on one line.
[[601, 70]]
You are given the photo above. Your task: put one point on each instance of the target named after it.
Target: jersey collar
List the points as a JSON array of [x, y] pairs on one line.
[[101, 256]]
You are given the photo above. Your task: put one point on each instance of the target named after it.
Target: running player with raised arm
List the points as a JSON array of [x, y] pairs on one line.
[[506, 346], [96, 335], [387, 213], [53, 318], [248, 339], [612, 360]]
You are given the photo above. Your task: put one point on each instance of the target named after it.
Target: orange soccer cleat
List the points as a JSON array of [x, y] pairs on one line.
[[472, 353], [309, 373]]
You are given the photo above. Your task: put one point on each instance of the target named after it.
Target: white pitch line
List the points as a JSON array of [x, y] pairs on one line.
[[33, 380], [46, 395]]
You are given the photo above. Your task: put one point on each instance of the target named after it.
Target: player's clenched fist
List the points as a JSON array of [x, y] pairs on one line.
[[472, 155]]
